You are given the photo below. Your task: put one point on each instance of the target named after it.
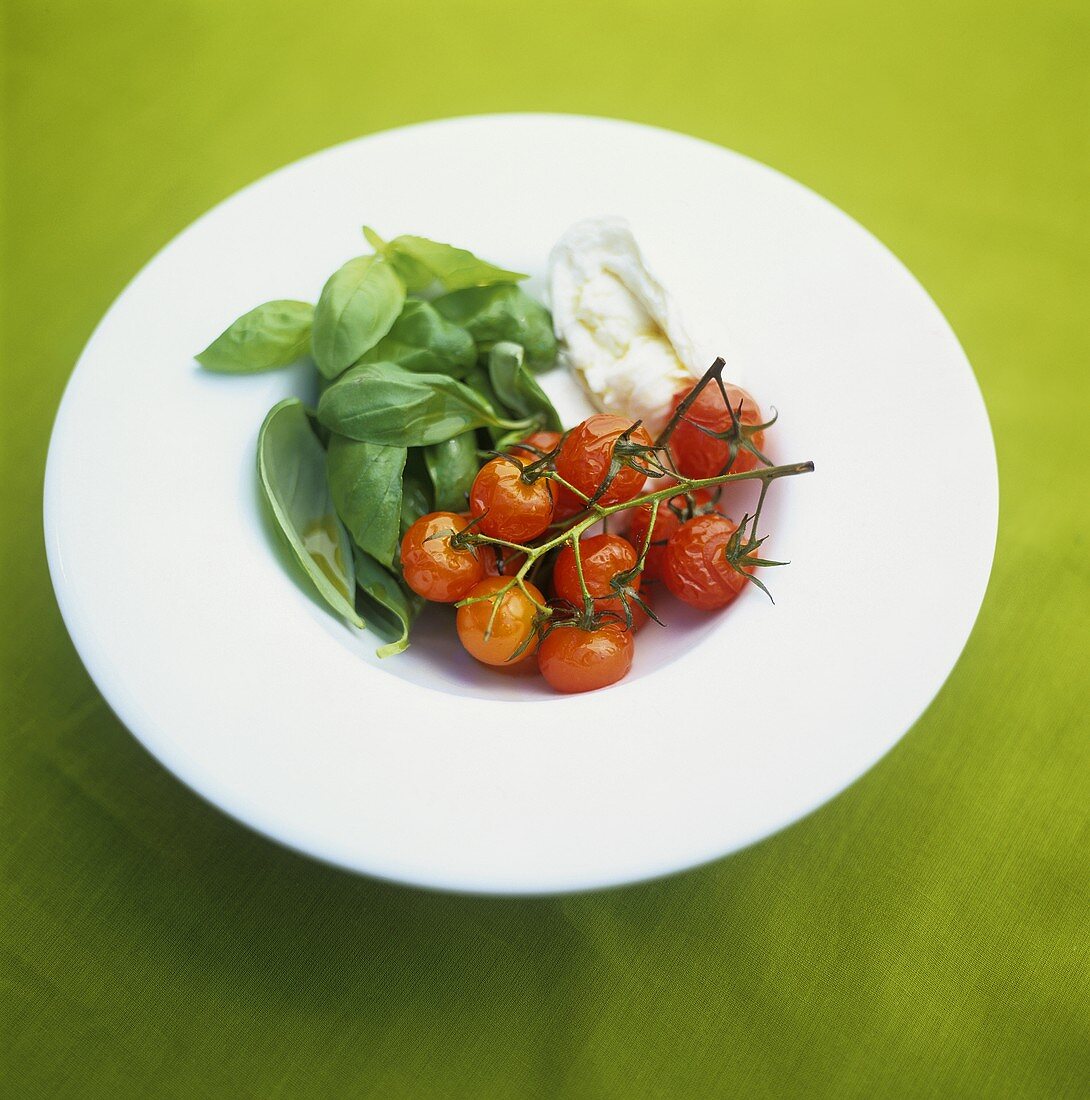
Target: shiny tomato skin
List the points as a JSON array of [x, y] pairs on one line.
[[587, 451], [510, 507], [603, 557], [695, 568], [510, 626], [572, 659], [666, 523], [566, 503], [697, 455], [543, 441], [431, 566]]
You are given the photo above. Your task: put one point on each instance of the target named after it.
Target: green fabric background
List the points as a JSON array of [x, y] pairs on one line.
[[926, 934]]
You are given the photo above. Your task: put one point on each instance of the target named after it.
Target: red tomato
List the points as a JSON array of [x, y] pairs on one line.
[[432, 567], [697, 455], [510, 507], [587, 451], [639, 616], [695, 568], [543, 441], [567, 504], [492, 629], [666, 523], [498, 561], [603, 557], [572, 659]]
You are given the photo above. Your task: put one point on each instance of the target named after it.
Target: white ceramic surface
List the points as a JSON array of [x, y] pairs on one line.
[[425, 768]]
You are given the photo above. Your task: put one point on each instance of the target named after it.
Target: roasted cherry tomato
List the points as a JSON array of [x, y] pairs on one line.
[[500, 562], [573, 659], [567, 504], [510, 507], [695, 567], [542, 441], [698, 455], [493, 627], [587, 452], [603, 557], [671, 515], [432, 567]]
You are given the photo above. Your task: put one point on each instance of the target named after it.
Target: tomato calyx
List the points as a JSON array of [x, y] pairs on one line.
[[543, 462], [629, 453], [589, 618], [529, 472], [742, 547], [738, 436], [466, 539], [627, 591]]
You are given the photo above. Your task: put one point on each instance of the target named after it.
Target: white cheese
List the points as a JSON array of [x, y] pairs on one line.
[[619, 330]]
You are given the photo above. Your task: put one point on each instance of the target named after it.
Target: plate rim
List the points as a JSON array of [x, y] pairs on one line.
[[131, 714]]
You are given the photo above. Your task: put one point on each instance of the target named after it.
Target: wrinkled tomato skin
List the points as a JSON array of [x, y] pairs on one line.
[[695, 568], [587, 451], [510, 507], [603, 557], [697, 455], [431, 566], [666, 523], [511, 625], [573, 660]]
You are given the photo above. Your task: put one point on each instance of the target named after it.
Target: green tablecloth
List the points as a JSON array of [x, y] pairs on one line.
[[926, 934]]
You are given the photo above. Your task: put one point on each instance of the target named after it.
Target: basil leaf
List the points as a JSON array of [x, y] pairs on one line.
[[416, 498], [292, 467], [421, 262], [383, 403], [365, 483], [271, 335], [503, 312], [359, 304], [422, 340], [388, 608], [477, 380], [517, 388], [452, 465]]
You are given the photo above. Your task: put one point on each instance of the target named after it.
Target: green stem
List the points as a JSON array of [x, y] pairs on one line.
[[648, 536], [764, 474], [577, 550]]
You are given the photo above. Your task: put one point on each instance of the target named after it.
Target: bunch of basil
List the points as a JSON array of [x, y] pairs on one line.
[[425, 356]]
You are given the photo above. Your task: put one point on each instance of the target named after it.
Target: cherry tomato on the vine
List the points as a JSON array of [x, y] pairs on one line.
[[501, 562], [567, 504], [602, 557], [639, 616], [432, 567], [587, 451], [543, 441], [573, 659], [510, 507], [494, 626], [667, 522], [698, 455], [695, 567]]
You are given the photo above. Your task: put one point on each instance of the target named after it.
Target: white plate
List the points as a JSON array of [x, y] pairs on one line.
[[425, 768]]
